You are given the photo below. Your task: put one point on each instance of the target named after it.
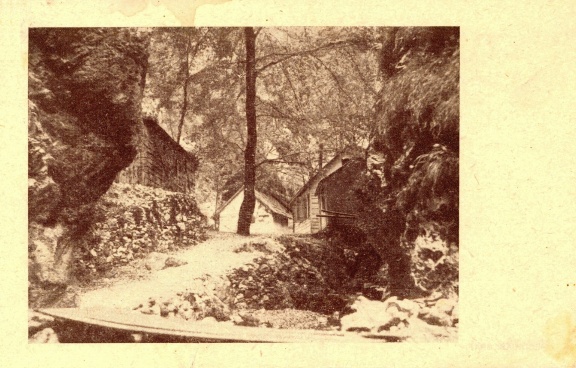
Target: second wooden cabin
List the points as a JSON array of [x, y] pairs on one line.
[[270, 215], [325, 197]]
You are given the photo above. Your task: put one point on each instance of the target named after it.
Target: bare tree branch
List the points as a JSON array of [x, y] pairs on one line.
[[279, 161], [284, 57], [336, 79]]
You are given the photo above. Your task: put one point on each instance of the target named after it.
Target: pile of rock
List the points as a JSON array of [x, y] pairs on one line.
[[40, 328], [289, 276], [136, 220], [256, 285], [205, 299], [419, 319], [330, 262]]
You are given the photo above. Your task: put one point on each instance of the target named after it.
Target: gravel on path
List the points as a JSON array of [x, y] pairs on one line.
[[213, 257]]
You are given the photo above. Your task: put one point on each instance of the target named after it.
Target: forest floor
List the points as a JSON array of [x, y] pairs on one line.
[[132, 286], [273, 280]]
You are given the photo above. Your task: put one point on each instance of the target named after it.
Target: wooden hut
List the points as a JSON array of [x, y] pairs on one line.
[[270, 215], [160, 161], [338, 201], [306, 205]]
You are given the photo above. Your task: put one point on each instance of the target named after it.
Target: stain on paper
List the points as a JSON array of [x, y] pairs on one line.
[[129, 8], [184, 11], [560, 333]]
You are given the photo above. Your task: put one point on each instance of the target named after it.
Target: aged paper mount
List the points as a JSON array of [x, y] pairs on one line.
[[518, 165]]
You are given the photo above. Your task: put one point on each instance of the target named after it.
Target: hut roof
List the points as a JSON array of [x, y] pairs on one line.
[[355, 164], [153, 126], [348, 152], [271, 203]]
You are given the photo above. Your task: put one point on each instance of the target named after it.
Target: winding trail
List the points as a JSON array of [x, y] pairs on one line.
[[214, 256]]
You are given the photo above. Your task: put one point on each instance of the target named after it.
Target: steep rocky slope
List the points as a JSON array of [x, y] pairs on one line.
[[85, 90]]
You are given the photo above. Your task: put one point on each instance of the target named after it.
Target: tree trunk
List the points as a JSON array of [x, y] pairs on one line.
[[185, 90], [249, 202]]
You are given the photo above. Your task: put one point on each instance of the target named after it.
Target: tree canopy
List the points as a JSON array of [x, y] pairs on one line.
[[388, 90]]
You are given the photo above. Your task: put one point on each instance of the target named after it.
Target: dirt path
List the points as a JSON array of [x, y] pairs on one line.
[[215, 257]]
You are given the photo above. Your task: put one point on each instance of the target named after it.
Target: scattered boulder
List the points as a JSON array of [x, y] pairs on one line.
[[45, 336], [38, 321], [155, 261], [173, 262], [406, 307], [420, 331], [407, 318], [376, 316], [368, 315], [441, 313]]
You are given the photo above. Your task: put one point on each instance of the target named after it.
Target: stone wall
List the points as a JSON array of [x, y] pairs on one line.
[[134, 221]]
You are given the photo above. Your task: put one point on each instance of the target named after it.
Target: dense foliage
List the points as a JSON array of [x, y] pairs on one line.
[[314, 86], [412, 196]]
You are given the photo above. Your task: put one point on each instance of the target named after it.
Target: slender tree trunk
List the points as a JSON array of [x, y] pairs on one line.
[[249, 202], [185, 90], [386, 68]]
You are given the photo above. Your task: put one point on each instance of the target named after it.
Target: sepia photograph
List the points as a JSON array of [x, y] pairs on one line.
[[255, 184], [248, 183]]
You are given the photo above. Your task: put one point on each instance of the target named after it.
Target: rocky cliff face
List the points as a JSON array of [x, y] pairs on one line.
[[85, 90], [410, 212]]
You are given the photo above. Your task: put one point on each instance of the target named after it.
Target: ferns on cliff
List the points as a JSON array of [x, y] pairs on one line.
[[417, 141]]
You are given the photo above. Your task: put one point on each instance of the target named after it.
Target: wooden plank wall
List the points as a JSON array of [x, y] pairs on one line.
[[315, 224], [159, 165]]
